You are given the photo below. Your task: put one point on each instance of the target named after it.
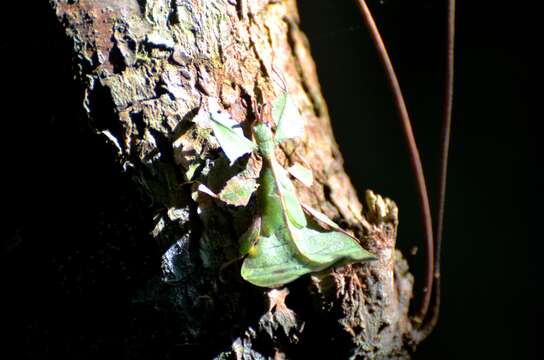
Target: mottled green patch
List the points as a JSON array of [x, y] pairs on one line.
[[238, 191]]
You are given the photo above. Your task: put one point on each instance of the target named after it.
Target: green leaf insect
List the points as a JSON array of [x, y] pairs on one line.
[[280, 244], [229, 133]]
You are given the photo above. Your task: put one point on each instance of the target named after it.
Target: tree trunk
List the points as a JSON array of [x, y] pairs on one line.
[[147, 67]]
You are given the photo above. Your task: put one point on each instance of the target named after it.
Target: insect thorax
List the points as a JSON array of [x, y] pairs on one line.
[[265, 140]]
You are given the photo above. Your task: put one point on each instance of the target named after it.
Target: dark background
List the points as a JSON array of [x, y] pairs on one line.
[[61, 289], [485, 255]]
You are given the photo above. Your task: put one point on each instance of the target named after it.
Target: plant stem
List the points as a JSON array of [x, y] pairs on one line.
[[415, 161]]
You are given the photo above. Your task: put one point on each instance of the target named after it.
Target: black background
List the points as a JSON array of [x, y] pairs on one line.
[[485, 289], [60, 290]]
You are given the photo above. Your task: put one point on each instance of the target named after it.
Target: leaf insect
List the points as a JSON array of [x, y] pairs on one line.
[[281, 245], [433, 236], [281, 229]]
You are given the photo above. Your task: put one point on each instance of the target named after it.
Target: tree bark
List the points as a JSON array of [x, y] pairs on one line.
[[147, 68]]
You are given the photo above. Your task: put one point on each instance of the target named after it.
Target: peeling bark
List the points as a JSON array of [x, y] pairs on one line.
[[147, 68]]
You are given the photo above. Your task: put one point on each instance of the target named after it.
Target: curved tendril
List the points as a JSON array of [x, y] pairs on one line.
[[445, 143], [415, 161]]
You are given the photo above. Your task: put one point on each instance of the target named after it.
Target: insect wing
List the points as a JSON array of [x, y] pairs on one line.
[[319, 216], [330, 248], [229, 133], [302, 174], [238, 190], [287, 191], [289, 122], [274, 263]]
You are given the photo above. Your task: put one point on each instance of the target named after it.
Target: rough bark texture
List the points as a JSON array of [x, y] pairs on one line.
[[147, 68]]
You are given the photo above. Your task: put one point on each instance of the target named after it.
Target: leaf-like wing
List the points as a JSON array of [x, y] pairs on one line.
[[286, 249], [229, 133], [289, 122], [330, 248], [288, 193], [238, 190], [303, 174], [274, 263], [319, 216]]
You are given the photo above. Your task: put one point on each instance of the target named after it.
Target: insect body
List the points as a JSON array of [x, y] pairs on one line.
[[281, 245], [287, 247]]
